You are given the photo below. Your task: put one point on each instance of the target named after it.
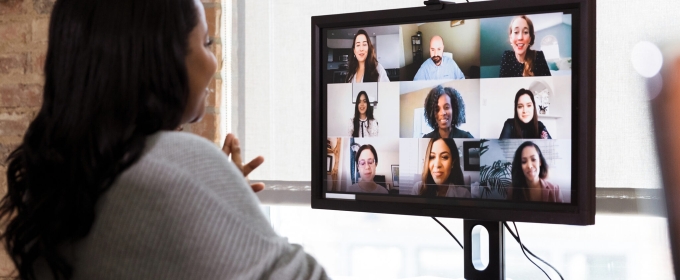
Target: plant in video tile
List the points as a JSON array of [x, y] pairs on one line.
[[495, 177]]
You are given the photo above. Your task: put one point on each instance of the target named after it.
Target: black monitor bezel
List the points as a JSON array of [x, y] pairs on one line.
[[582, 209]]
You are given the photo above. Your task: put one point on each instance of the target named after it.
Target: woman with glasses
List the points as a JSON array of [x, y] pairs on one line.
[[442, 175], [367, 161]]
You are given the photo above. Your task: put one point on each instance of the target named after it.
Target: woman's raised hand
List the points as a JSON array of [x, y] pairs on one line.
[[232, 149]]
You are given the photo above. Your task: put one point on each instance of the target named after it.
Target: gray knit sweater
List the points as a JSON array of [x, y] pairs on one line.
[[183, 211]]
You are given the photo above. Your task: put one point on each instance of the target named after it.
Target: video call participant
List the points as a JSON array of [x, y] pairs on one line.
[[445, 111], [442, 175], [438, 67], [363, 124], [367, 161], [525, 124], [529, 170], [522, 61], [363, 66]]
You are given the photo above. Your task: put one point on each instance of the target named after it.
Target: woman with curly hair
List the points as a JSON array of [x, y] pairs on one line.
[[444, 112]]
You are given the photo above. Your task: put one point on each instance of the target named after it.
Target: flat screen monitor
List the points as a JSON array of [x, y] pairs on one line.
[[481, 111]]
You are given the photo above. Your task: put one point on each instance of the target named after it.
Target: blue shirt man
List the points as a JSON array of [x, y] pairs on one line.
[[438, 67]]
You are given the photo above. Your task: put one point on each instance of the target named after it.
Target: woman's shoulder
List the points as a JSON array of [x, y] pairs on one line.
[[550, 186], [510, 122], [540, 55], [507, 54], [459, 133], [430, 135]]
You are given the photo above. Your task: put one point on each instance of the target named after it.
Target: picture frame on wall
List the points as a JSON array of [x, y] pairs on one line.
[[329, 163], [471, 155], [395, 175]]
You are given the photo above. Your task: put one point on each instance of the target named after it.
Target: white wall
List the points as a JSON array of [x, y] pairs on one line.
[[389, 51]]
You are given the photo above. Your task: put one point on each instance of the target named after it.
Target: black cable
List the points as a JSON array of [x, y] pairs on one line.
[[517, 238], [525, 254], [447, 230], [527, 249]]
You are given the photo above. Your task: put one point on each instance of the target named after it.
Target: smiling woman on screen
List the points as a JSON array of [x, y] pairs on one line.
[[522, 61]]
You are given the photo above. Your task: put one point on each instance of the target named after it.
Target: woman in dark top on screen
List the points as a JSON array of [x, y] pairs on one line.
[[522, 61], [525, 124], [445, 111]]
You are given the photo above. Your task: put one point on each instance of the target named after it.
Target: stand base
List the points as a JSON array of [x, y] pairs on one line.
[[474, 268]]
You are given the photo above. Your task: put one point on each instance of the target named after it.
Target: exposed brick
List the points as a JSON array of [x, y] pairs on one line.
[[20, 95], [13, 63], [43, 6], [217, 50], [214, 99], [5, 150], [12, 7], [212, 16], [13, 33], [39, 30], [208, 127], [36, 62], [14, 124]]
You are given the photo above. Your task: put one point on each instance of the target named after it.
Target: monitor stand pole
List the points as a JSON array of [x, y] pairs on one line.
[[472, 249]]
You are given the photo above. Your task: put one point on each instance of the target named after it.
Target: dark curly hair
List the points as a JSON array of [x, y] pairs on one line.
[[432, 107], [115, 73], [520, 188]]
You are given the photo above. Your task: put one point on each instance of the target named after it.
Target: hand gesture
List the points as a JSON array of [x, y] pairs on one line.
[[232, 149]]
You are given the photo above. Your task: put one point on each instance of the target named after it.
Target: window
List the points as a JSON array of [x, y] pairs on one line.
[[269, 86]]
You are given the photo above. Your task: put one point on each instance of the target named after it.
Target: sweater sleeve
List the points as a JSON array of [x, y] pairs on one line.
[[506, 132], [185, 212]]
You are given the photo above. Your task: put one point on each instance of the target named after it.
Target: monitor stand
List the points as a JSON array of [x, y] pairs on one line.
[[473, 248]]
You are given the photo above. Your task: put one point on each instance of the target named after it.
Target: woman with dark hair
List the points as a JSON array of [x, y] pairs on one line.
[[444, 112], [367, 161], [102, 187], [442, 175], [363, 124], [525, 124], [522, 61], [529, 172], [363, 66]]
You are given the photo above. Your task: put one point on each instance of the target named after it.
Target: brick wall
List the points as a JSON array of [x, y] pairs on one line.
[[23, 44]]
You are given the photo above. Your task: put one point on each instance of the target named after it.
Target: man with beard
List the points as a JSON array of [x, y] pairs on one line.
[[438, 67]]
